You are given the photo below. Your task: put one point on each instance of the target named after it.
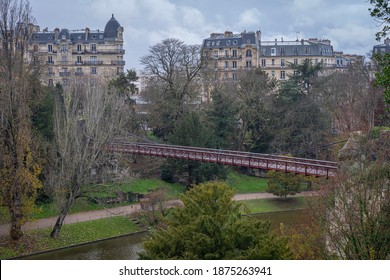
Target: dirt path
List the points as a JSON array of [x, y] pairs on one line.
[[118, 211]]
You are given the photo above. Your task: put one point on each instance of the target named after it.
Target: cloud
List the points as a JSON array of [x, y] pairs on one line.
[[249, 19]]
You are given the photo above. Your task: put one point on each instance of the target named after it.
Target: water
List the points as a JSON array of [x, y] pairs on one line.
[[120, 248], [127, 247]]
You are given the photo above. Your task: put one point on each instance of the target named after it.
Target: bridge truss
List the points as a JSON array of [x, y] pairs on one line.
[[307, 167]]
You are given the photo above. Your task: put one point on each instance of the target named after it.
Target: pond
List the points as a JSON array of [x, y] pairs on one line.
[[127, 247]]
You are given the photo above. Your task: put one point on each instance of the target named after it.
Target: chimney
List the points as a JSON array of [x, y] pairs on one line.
[[313, 40], [325, 42], [56, 32], [215, 35], [302, 42], [276, 42], [86, 33], [258, 35], [228, 34]]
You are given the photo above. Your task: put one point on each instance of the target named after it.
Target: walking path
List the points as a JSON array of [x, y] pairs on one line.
[[118, 211]]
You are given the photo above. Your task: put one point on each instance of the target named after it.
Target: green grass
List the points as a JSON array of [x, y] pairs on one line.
[[246, 184], [40, 240], [275, 204], [83, 204]]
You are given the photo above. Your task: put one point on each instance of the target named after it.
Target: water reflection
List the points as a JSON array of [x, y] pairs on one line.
[[121, 248]]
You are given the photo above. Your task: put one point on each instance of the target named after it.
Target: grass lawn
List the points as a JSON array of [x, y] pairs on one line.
[[246, 184], [83, 204], [275, 204], [40, 240]]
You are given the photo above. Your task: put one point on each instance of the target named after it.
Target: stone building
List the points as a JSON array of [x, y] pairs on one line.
[[228, 53], [276, 56], [382, 48], [67, 53]]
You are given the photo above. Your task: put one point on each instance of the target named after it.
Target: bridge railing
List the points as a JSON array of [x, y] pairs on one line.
[[307, 167]]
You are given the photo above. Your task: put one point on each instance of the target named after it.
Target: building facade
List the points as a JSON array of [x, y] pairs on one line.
[[383, 48], [276, 57], [228, 53], [86, 52]]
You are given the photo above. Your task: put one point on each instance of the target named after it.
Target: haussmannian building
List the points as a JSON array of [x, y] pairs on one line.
[[229, 53], [66, 53]]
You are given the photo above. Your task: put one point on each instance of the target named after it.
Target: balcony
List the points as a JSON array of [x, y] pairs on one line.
[[64, 74], [97, 62], [50, 62], [79, 73], [117, 62]]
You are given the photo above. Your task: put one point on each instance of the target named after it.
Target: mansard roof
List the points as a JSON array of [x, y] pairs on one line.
[[228, 39]]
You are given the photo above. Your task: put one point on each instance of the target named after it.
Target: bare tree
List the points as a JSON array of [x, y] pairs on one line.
[[18, 81], [350, 99], [87, 117], [356, 204], [172, 68]]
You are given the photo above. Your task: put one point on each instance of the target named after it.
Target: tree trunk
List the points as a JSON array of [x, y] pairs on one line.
[[16, 214], [61, 218], [16, 226]]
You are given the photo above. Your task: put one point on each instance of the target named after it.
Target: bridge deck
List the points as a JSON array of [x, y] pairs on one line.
[[307, 167]]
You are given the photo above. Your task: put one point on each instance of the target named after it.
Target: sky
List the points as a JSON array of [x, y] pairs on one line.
[[347, 23]]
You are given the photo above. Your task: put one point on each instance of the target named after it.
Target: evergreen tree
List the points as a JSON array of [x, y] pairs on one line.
[[211, 226]]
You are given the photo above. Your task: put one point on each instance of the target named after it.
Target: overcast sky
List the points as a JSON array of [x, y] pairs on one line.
[[347, 23]]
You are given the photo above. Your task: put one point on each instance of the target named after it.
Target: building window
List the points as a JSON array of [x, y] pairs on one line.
[[234, 53], [307, 50], [35, 48], [282, 62], [79, 48], [226, 65], [296, 61], [295, 50], [273, 61], [282, 75], [51, 82], [79, 60], [249, 64], [282, 51], [64, 48], [50, 48], [93, 70], [226, 53], [50, 71], [248, 53], [234, 64], [93, 47], [273, 51], [93, 59], [50, 60], [215, 53], [234, 76], [273, 73], [263, 62], [119, 70]]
